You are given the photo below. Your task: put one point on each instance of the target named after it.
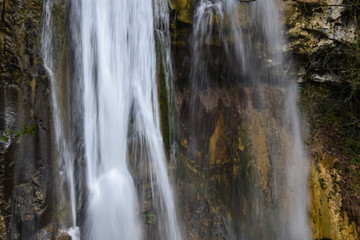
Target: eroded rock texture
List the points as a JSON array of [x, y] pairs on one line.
[[26, 168], [318, 34]]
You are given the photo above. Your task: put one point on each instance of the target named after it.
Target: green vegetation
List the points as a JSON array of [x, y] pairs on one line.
[[352, 78], [164, 109], [149, 217], [334, 121], [166, 95], [335, 107], [11, 135], [329, 108]]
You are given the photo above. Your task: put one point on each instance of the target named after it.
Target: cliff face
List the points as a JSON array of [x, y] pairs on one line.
[[321, 37], [26, 167], [318, 32]]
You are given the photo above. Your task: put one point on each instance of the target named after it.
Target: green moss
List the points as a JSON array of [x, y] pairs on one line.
[[184, 8], [163, 100], [164, 108], [149, 217]]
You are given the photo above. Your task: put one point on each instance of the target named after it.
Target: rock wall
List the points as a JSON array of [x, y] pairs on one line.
[[318, 34], [322, 38], [26, 167], [334, 150]]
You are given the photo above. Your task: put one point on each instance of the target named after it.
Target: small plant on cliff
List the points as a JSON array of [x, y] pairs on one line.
[[10, 136], [149, 217]]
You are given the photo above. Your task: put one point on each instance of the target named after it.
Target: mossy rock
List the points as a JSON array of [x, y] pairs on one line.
[[184, 9]]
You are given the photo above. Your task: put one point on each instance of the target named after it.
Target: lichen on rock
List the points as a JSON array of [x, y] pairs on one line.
[[329, 220], [319, 33], [184, 9]]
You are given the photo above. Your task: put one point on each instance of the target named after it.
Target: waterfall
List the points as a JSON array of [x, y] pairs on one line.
[[115, 64], [251, 37], [63, 141], [112, 167]]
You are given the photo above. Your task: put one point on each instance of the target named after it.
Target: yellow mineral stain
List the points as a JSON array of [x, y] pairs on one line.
[[241, 145], [236, 170], [190, 167], [3, 230], [184, 9], [184, 143], [229, 217], [258, 138], [217, 144], [328, 218], [33, 90]]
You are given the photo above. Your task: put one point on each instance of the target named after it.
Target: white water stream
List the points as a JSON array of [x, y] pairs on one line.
[[63, 142], [120, 89], [251, 33], [116, 64], [117, 61]]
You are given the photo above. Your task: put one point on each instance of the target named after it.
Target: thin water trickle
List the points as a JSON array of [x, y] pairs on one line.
[[251, 36], [62, 140]]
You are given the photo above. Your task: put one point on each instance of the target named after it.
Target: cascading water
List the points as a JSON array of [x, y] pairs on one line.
[[116, 66], [121, 56], [67, 196], [249, 33], [120, 90]]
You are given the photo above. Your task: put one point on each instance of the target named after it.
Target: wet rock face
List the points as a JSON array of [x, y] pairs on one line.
[[25, 169], [208, 168], [318, 33], [184, 9], [224, 171], [327, 207], [48, 232]]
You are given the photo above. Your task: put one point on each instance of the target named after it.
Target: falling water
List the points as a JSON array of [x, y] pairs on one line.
[[121, 54], [166, 76], [251, 37], [121, 101], [116, 66], [63, 140]]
